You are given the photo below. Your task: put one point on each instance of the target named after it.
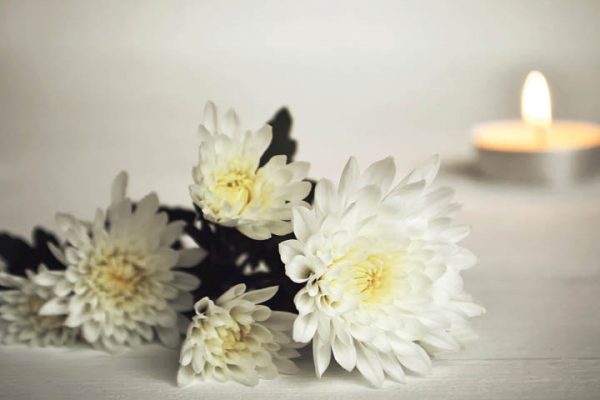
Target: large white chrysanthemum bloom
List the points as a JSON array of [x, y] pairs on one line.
[[120, 285], [20, 321], [236, 338], [382, 268], [231, 189]]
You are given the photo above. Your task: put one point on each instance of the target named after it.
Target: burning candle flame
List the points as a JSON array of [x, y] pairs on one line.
[[536, 109]]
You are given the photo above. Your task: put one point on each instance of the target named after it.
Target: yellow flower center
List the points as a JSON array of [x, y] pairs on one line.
[[116, 277], [373, 278], [227, 339], [232, 338], [235, 187]]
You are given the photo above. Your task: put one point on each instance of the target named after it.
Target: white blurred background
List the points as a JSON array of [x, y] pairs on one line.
[[90, 88]]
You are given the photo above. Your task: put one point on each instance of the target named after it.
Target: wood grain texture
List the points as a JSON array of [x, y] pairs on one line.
[[538, 277]]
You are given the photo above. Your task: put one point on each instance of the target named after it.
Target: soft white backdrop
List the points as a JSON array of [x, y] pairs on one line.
[[89, 88]]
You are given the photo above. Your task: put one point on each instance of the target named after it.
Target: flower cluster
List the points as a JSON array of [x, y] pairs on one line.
[[371, 267], [119, 287]]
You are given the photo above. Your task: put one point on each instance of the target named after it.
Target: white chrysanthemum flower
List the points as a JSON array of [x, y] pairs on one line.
[[20, 321], [120, 286], [231, 189], [236, 338], [382, 272]]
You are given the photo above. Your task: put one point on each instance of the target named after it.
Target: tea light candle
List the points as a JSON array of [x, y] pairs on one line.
[[538, 149]]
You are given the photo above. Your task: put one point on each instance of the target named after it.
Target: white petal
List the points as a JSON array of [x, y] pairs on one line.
[[368, 197], [456, 233], [65, 221], [231, 123], [75, 320], [369, 365], [119, 188], [198, 361], [304, 301], [57, 253], [361, 332], [392, 367], [261, 313], [209, 117], [298, 190], [202, 305], [262, 138], [304, 223], [325, 196], [56, 306], [305, 327], [119, 211], [280, 320], [321, 355], [438, 199], [285, 366], [169, 336], [98, 228], [299, 269], [413, 357], [277, 165], [255, 232], [190, 257], [166, 318], [470, 309], [260, 295], [183, 302], [299, 169], [245, 377], [231, 293], [11, 281], [203, 133], [426, 172], [63, 288], [172, 232], [147, 206], [91, 331], [289, 249], [404, 194], [185, 376], [462, 259], [441, 340], [48, 278], [280, 228], [184, 281], [349, 178], [268, 372], [380, 173], [345, 354]]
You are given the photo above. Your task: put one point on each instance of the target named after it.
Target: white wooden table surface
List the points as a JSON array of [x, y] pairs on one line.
[[539, 278]]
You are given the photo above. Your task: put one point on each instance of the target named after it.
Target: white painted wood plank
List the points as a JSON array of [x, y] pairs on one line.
[[150, 374]]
